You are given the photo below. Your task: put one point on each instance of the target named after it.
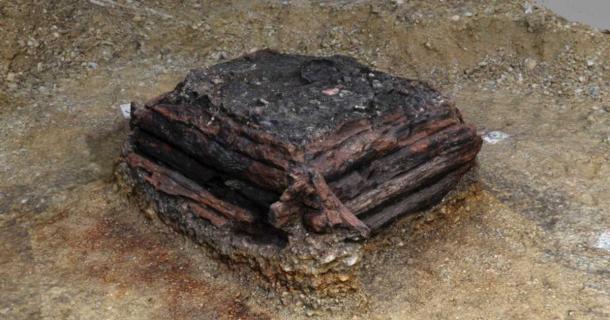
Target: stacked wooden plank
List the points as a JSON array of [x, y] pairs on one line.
[[271, 155]]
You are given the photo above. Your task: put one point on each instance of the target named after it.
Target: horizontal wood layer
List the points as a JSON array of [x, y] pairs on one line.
[[287, 139]]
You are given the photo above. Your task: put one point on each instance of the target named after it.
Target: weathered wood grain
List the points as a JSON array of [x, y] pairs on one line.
[[271, 148]]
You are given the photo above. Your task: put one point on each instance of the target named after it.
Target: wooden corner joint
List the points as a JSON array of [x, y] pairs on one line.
[[310, 197]]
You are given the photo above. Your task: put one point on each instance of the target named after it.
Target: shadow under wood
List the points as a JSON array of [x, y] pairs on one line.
[[105, 147]]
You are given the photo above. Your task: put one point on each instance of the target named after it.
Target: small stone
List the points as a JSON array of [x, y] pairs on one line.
[[528, 8], [343, 277], [330, 91], [594, 91], [328, 258], [285, 299], [137, 18], [149, 213], [455, 18], [286, 267], [33, 43], [530, 64], [377, 84], [603, 241], [588, 199], [350, 261], [221, 55], [10, 77]]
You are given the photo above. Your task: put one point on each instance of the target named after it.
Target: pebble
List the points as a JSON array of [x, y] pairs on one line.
[[377, 84], [528, 8], [530, 64], [594, 91], [220, 55], [10, 77], [494, 137], [328, 258], [603, 241], [350, 261], [343, 277], [330, 91], [455, 18], [33, 43], [588, 199]]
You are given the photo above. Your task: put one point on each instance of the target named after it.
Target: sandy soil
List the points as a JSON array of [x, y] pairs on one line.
[[526, 237]]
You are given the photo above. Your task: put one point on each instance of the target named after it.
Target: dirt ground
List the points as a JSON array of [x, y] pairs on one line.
[[527, 237]]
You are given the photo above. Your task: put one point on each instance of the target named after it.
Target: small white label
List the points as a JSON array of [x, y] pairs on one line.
[[126, 110], [493, 137]]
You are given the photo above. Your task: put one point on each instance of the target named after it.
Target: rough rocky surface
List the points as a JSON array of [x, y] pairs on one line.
[[529, 240], [288, 162]]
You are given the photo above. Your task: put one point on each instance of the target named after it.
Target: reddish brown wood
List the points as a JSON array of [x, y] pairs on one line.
[[285, 151], [172, 183]]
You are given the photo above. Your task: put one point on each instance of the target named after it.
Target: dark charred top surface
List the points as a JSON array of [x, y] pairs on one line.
[[300, 98]]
